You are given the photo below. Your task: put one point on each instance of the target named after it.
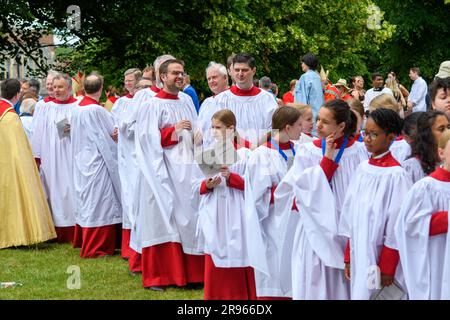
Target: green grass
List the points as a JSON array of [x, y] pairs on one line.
[[42, 269]]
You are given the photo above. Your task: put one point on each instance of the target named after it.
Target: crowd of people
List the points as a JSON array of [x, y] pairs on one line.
[[331, 192]]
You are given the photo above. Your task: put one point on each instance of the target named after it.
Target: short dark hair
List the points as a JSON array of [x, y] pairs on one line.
[[310, 60], [376, 75], [437, 84], [388, 120], [10, 88], [265, 83], [245, 58], [416, 70], [93, 85], [164, 67]]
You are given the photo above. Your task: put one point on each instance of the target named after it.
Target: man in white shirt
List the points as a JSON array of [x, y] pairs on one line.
[[419, 89], [378, 89]]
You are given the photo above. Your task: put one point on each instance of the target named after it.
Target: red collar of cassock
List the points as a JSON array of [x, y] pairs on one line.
[[385, 161], [441, 174], [155, 89], [283, 145], [48, 99], [4, 106], [399, 138], [70, 100], [338, 141], [129, 95], [253, 91], [87, 101], [164, 95]]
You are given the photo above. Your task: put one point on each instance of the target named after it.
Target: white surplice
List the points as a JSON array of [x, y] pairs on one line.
[[401, 150], [414, 169]]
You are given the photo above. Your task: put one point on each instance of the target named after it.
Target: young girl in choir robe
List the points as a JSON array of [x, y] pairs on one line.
[[265, 169], [318, 180], [307, 123], [221, 215], [424, 156], [371, 207], [421, 232]]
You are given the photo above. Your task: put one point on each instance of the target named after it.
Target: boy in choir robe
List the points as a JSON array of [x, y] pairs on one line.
[[264, 230], [52, 148], [121, 111], [97, 204], [421, 232], [166, 220], [318, 251], [424, 157], [221, 215], [371, 207], [25, 216], [307, 123], [252, 106]]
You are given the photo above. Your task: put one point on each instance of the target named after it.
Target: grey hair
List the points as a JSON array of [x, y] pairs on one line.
[[27, 106], [137, 73], [158, 61], [217, 66], [52, 73], [64, 77]]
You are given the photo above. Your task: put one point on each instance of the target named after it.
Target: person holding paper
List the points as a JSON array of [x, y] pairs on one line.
[[264, 231], [421, 232], [166, 221], [52, 149], [221, 215], [97, 204], [371, 208]]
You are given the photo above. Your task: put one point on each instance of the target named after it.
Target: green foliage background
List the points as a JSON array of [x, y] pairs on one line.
[[349, 37]]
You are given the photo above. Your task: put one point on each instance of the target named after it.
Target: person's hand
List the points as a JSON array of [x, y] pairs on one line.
[[211, 183], [330, 146], [198, 138], [410, 105], [347, 271], [183, 124], [386, 280], [115, 135], [67, 128], [225, 172]]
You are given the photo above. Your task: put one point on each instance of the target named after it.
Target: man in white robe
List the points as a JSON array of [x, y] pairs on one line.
[[95, 174], [171, 254], [252, 106], [52, 149]]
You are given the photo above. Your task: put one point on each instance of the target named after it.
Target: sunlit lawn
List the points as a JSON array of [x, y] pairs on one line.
[[45, 270]]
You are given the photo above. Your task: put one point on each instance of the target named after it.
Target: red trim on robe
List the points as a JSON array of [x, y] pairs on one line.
[[385, 161], [155, 89], [70, 100], [204, 189], [329, 167], [441, 174], [228, 283], [4, 106], [283, 145], [164, 95], [439, 223], [48, 99], [273, 298], [243, 143], [294, 205], [308, 134], [129, 95], [113, 99], [86, 101], [253, 91], [399, 138], [77, 237], [135, 261], [165, 264], [125, 249], [347, 252], [272, 194], [235, 181], [98, 241], [65, 234], [338, 141], [388, 261], [168, 137]]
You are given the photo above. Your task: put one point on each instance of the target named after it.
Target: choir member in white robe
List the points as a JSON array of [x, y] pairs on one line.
[[370, 210], [221, 218], [265, 231], [252, 106], [26, 116], [98, 208], [54, 154], [421, 232], [317, 265], [424, 155], [307, 123], [166, 222], [122, 111], [400, 149], [217, 77], [141, 99]]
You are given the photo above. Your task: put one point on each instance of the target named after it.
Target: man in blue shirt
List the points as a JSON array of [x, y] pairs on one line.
[[189, 90]]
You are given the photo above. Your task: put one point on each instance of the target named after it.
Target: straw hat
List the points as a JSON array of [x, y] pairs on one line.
[[444, 70], [342, 83]]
